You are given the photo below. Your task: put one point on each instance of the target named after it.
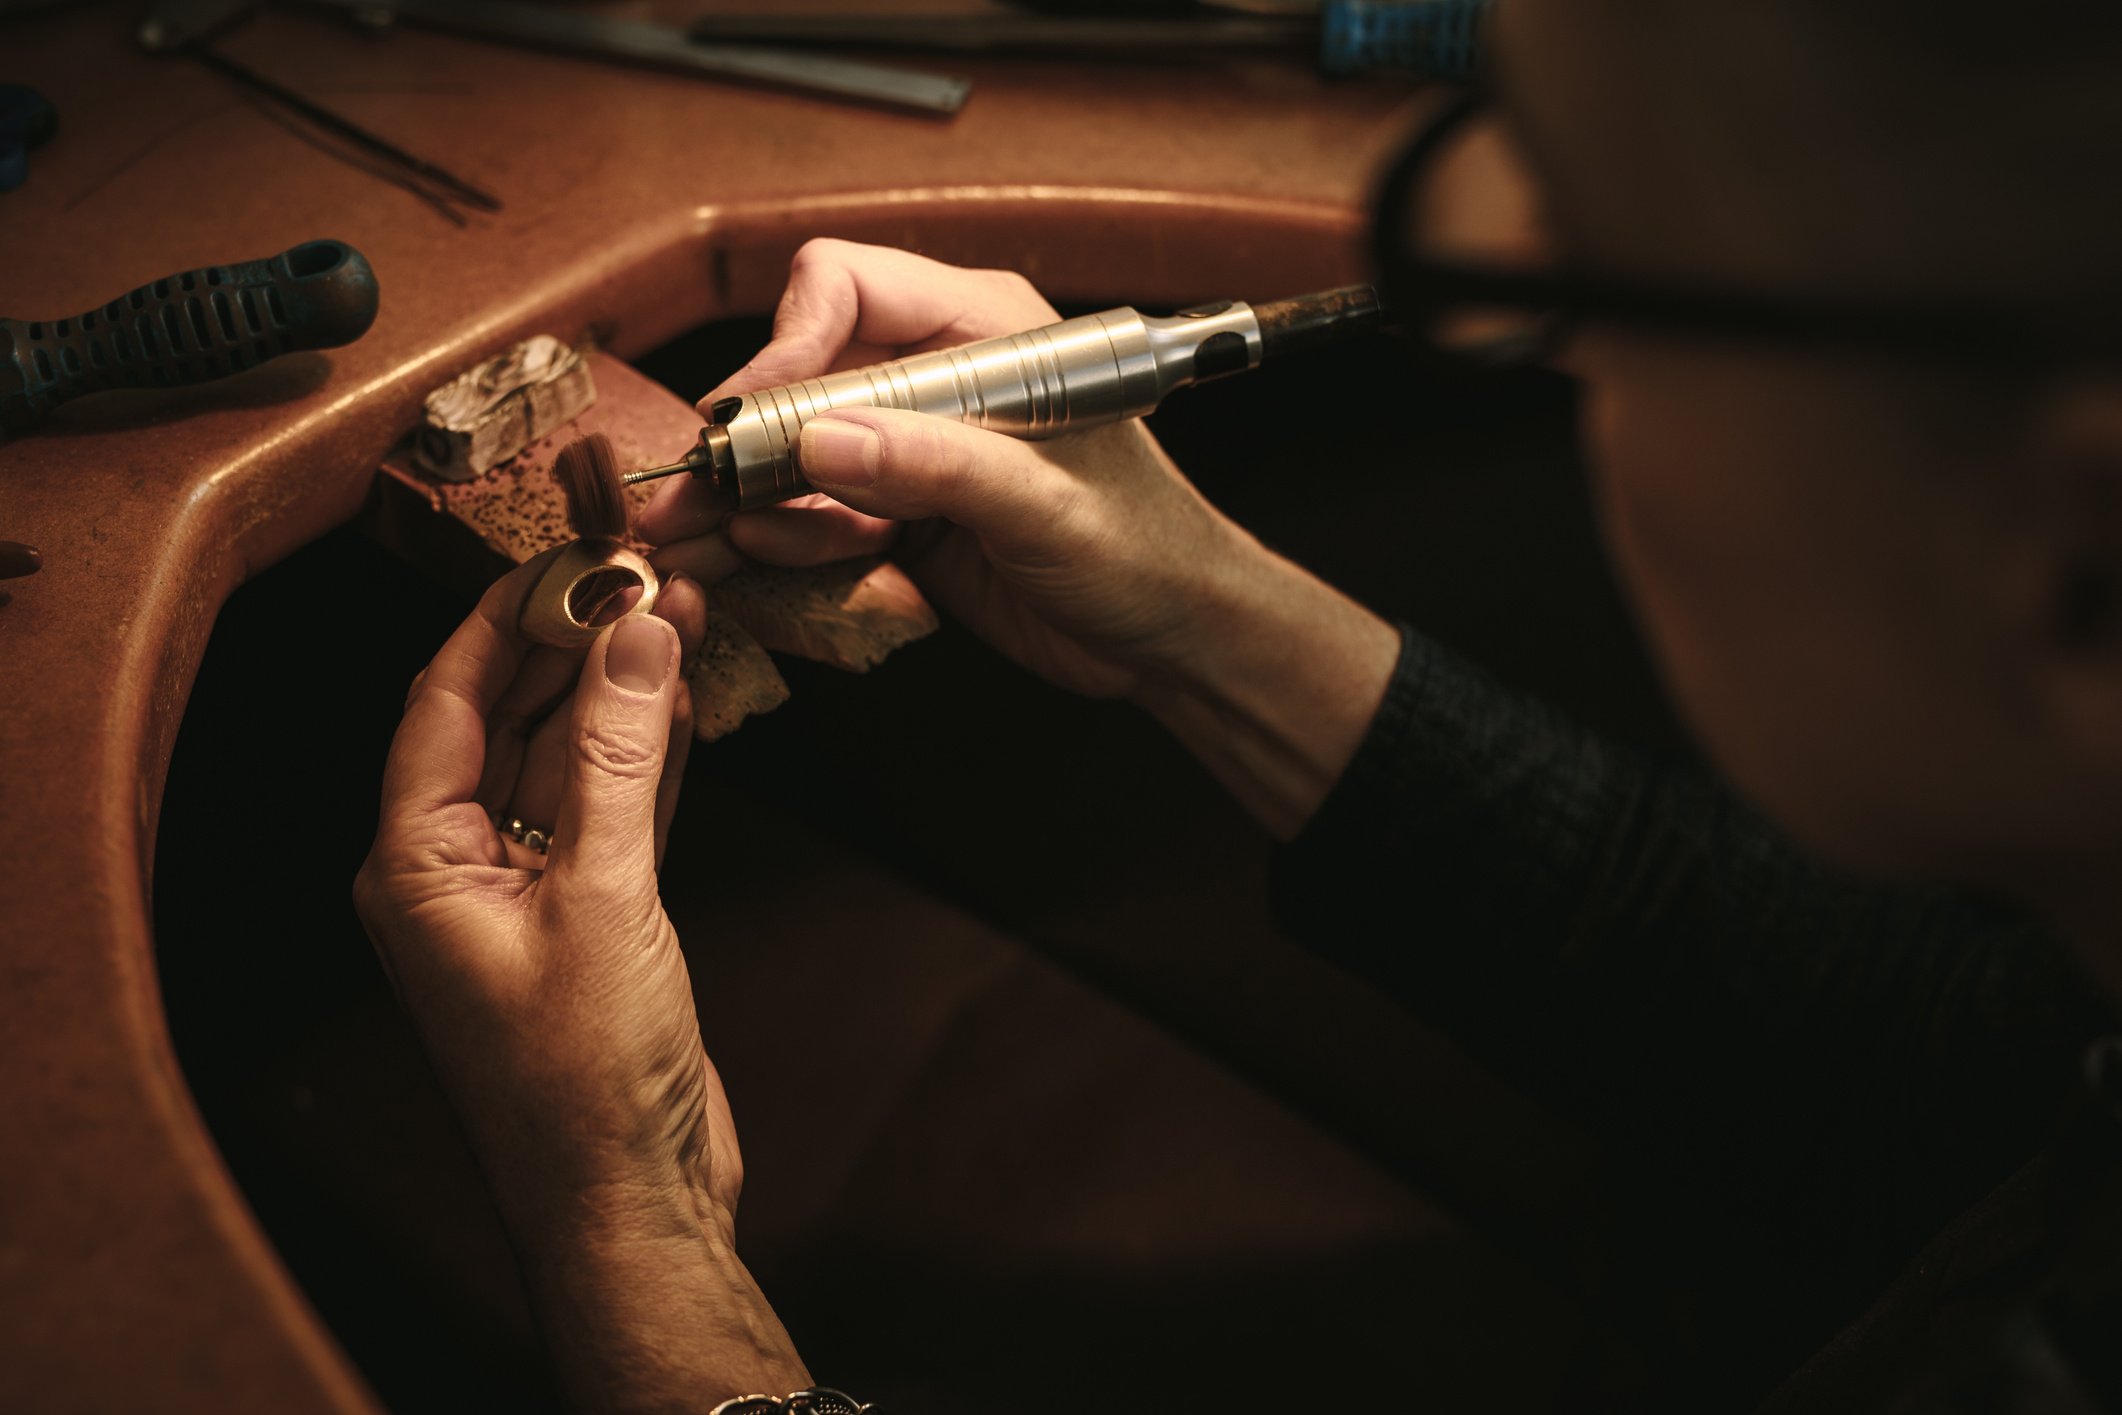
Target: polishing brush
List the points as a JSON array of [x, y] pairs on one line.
[[594, 579]]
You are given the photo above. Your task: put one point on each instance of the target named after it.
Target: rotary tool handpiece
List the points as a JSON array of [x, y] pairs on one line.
[[1082, 372]]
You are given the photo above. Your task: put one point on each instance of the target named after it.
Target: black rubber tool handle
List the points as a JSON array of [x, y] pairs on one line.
[[188, 328]]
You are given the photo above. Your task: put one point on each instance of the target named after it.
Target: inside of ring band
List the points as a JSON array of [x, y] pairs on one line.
[[598, 596]]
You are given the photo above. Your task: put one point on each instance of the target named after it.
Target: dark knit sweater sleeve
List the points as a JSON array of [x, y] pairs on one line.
[[1638, 950]]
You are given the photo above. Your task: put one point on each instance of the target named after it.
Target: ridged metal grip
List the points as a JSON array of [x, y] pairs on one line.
[[1082, 372], [188, 328]]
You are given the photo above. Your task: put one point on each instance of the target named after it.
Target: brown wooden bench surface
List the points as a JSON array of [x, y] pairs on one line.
[[637, 205]]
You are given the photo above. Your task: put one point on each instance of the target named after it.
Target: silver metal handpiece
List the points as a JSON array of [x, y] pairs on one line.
[[1082, 372]]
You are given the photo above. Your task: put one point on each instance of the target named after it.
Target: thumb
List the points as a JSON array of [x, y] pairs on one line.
[[606, 827], [906, 466]]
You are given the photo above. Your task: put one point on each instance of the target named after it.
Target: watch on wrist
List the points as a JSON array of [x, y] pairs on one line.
[[818, 1400]]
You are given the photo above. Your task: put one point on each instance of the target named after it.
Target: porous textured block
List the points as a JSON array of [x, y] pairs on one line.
[[850, 614]]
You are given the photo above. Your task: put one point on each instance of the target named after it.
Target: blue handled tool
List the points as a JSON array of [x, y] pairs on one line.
[[26, 119], [1436, 37]]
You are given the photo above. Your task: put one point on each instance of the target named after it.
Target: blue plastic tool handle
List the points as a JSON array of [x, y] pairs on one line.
[[1435, 37], [25, 120]]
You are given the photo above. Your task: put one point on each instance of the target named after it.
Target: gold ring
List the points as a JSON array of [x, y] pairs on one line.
[[562, 608]]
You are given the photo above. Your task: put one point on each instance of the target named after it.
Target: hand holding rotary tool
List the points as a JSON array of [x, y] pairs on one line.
[[1089, 559], [1080, 373]]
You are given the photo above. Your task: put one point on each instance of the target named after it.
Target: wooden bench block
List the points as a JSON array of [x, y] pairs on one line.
[[851, 614]]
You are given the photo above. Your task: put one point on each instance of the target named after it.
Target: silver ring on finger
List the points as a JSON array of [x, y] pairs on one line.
[[530, 837]]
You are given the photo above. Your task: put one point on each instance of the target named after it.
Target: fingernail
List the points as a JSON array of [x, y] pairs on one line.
[[832, 452], [638, 657]]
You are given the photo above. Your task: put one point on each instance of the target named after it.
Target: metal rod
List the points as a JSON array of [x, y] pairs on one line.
[[653, 473], [346, 128]]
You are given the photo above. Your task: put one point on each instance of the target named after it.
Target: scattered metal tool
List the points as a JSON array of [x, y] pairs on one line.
[[452, 188], [189, 328], [173, 26], [556, 27], [187, 27]]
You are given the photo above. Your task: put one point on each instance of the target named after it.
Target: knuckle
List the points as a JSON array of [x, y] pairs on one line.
[[613, 753], [761, 370], [910, 439], [1016, 288], [954, 470], [921, 445], [954, 446], [817, 248], [375, 893]]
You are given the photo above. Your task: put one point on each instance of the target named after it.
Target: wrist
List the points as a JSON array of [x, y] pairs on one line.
[[644, 1302], [1275, 686], [614, 1216]]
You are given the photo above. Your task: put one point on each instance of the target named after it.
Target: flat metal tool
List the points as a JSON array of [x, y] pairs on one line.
[[1082, 372], [1435, 37], [556, 27], [1005, 32]]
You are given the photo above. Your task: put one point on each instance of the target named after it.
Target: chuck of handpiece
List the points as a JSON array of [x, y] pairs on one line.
[[710, 461], [1083, 372]]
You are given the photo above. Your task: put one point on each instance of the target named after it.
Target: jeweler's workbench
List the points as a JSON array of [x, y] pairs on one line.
[[635, 205]]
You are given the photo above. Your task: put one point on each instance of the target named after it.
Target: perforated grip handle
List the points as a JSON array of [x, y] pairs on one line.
[[189, 328]]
